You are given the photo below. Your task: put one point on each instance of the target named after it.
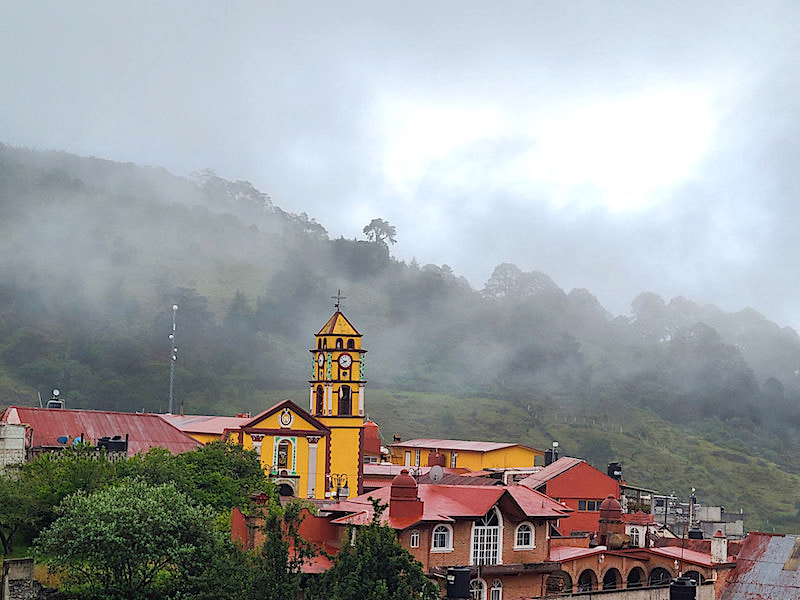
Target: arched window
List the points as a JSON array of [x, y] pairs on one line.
[[612, 580], [636, 578], [339, 343], [285, 455], [477, 589], [414, 542], [524, 537], [319, 343], [320, 400], [345, 400], [442, 539], [497, 590], [486, 540], [587, 581], [659, 576], [634, 537], [351, 344], [324, 343]]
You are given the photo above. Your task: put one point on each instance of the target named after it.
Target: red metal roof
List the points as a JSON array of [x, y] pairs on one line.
[[766, 567], [443, 503], [144, 431]]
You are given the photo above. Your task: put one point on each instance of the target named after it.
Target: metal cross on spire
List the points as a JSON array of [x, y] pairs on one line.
[[338, 297]]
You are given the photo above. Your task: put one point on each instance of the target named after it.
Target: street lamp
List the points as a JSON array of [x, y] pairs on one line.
[[173, 357]]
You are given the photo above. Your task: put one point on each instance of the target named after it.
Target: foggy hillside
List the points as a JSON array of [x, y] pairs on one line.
[[94, 254]]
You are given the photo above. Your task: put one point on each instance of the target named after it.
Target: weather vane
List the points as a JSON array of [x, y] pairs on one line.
[[338, 297]]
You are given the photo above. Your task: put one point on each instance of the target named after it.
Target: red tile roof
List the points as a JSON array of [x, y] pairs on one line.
[[144, 431], [443, 503]]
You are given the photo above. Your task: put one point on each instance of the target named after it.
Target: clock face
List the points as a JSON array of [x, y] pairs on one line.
[[345, 361], [321, 359]]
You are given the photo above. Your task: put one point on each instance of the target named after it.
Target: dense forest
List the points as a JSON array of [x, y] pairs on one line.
[[93, 255]]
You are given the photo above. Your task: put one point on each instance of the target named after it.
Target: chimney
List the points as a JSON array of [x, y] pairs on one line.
[[403, 500], [719, 547]]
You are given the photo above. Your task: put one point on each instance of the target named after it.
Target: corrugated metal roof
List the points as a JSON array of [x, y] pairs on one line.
[[144, 431], [760, 571], [552, 470], [436, 444], [211, 425]]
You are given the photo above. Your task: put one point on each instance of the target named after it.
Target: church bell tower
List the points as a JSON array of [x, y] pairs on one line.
[[336, 397]]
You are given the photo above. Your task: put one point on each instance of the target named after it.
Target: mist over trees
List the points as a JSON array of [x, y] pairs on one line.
[[95, 253]]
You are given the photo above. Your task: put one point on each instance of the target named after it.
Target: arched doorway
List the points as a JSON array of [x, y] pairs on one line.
[[659, 576], [559, 583], [285, 490], [612, 580], [587, 581], [636, 578], [698, 578]]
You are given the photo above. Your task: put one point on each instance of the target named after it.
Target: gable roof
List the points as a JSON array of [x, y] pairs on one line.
[[300, 412], [338, 325], [766, 567], [446, 503], [562, 465], [458, 445], [144, 430]]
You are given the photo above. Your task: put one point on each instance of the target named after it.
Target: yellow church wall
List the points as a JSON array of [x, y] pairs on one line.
[[511, 457], [204, 438], [346, 450]]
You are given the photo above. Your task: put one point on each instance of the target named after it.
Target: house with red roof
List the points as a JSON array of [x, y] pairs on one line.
[[52, 429], [500, 533], [471, 455], [580, 486]]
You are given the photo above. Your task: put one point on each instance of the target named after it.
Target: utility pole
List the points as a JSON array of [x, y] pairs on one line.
[[173, 357]]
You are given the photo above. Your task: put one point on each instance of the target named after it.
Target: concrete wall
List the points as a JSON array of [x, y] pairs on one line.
[[704, 592], [12, 444]]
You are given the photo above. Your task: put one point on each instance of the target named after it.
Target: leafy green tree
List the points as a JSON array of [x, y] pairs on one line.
[[380, 231], [375, 566], [276, 571], [131, 541]]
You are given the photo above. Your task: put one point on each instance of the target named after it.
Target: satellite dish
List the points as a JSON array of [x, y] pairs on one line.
[[56, 393], [436, 473]]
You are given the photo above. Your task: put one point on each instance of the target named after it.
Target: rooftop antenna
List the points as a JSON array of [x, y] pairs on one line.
[[173, 357], [338, 297]]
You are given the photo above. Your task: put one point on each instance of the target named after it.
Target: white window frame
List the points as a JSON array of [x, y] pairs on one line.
[[414, 538], [517, 545], [496, 591], [449, 540], [473, 587], [481, 534], [635, 536], [417, 457]]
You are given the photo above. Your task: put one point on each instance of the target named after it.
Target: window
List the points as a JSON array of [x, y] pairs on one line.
[[524, 537], [497, 590], [407, 459], [416, 457], [442, 539], [635, 537], [453, 457], [414, 538], [345, 400], [486, 540], [320, 400], [351, 344], [477, 589], [590, 505], [285, 455], [339, 342]]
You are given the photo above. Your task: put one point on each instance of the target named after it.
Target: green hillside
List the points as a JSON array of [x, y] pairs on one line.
[[93, 254]]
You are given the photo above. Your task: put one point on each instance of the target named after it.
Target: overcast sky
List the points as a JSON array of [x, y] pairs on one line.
[[617, 146]]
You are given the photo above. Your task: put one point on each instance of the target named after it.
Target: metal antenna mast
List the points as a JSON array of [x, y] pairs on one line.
[[173, 357]]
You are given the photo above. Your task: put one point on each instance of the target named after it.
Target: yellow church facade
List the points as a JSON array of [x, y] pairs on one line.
[[317, 453]]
